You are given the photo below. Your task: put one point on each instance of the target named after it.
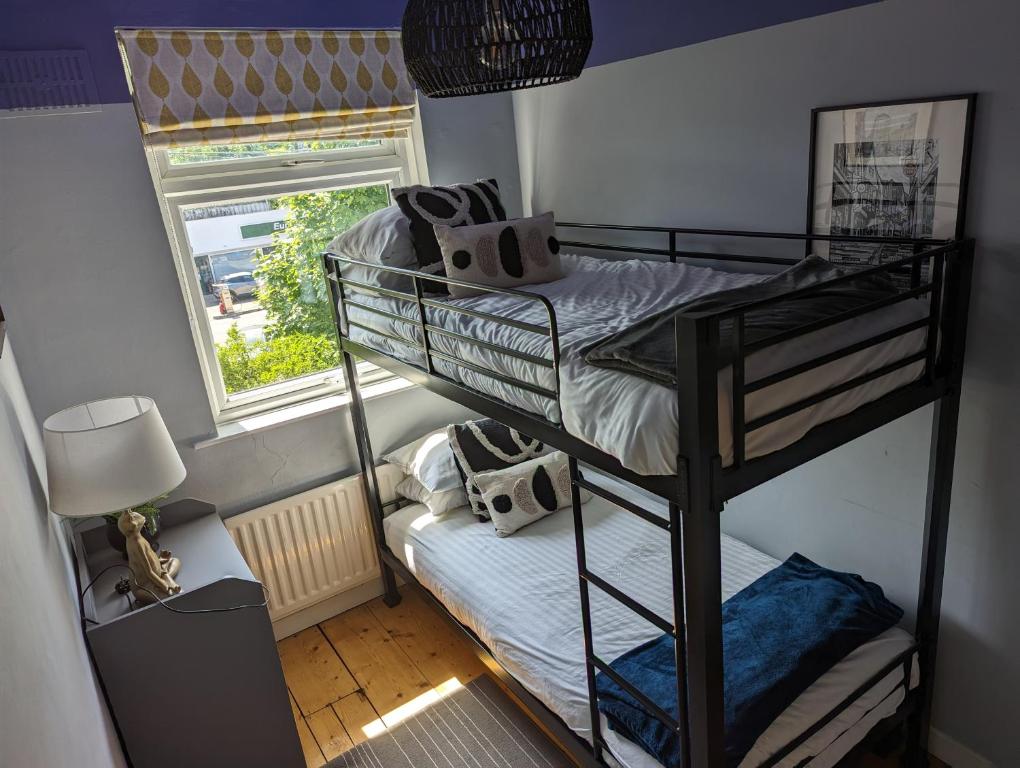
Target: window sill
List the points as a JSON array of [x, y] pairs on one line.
[[264, 422]]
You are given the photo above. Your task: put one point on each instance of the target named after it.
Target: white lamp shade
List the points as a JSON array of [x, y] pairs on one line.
[[108, 455]]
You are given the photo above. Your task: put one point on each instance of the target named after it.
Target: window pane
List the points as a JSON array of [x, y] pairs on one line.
[[217, 153], [259, 267]]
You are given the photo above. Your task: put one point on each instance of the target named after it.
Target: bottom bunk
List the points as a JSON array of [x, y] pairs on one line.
[[518, 595]]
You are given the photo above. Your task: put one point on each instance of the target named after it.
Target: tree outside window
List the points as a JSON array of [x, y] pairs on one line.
[[297, 337]]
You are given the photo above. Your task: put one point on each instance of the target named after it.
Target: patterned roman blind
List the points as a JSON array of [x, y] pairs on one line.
[[201, 86]]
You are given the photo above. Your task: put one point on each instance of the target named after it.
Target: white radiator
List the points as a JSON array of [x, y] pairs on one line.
[[313, 546]]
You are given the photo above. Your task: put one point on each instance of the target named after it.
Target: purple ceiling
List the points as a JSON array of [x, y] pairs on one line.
[[622, 29]]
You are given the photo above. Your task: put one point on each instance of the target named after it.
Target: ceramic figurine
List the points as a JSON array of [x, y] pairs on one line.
[[151, 572]]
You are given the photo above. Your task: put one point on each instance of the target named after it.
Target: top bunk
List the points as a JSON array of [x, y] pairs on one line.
[[641, 365]]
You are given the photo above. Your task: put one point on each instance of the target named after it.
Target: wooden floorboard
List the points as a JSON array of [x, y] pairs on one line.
[[356, 712], [315, 674], [383, 671], [329, 732], [348, 673], [351, 671], [310, 747], [437, 649]]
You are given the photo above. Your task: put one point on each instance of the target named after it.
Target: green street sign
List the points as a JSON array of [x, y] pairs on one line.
[[265, 229]]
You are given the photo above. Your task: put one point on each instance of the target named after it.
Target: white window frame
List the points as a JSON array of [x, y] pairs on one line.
[[397, 162]]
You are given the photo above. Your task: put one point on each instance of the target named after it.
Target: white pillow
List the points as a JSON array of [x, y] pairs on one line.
[[439, 502], [383, 238], [519, 495], [503, 254], [430, 461]]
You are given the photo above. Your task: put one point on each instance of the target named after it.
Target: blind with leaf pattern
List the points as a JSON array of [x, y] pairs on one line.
[[195, 86]]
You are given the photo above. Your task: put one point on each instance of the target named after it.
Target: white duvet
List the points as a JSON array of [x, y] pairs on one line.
[[631, 418], [520, 596]]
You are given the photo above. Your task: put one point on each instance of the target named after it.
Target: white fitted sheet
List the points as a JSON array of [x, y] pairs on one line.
[[629, 417], [520, 596]]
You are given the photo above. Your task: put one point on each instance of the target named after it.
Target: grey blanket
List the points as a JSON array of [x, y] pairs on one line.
[[648, 348]]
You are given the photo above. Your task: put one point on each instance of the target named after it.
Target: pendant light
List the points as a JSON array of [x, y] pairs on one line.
[[469, 47]]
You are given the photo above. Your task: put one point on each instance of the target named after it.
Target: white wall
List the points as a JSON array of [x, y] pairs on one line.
[[470, 138], [716, 135], [88, 286], [51, 712], [87, 278]]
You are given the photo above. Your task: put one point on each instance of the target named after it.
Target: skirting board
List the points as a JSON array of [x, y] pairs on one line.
[[327, 609], [953, 753]]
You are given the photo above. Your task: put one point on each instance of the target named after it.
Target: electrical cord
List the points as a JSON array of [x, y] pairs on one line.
[[92, 583], [99, 575], [123, 587], [182, 611]]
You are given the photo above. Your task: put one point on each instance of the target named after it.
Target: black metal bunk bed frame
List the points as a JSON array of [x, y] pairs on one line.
[[696, 494]]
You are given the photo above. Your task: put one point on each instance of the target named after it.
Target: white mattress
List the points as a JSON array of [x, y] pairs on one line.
[[629, 417], [520, 596]]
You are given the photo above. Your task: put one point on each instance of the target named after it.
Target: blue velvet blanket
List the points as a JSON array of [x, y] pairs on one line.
[[780, 634]]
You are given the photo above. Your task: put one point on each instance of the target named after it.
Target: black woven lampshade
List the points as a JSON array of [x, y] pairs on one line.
[[468, 47]]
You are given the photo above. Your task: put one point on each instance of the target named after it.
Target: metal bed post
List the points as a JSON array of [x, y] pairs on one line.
[[677, 559], [698, 466], [391, 595], [589, 643], [959, 270]]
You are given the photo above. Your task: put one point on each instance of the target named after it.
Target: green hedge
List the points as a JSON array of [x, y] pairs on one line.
[[249, 365]]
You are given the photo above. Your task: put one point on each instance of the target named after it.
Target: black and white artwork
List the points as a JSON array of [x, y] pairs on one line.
[[884, 188], [888, 170]]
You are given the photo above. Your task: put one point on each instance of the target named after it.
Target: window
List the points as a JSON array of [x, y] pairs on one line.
[[248, 224], [216, 153]]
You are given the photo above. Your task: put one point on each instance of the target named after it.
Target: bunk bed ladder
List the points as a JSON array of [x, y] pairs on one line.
[[694, 534], [594, 665]]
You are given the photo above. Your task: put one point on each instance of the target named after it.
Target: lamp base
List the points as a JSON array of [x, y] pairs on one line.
[[117, 541], [152, 577], [171, 567]]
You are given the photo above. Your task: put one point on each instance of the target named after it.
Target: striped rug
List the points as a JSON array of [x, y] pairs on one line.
[[474, 727]]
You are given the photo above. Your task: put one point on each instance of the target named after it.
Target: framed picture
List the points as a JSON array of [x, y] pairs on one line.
[[888, 170]]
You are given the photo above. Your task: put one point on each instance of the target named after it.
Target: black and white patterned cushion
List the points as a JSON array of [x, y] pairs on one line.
[[456, 206], [487, 445], [524, 493], [501, 254]]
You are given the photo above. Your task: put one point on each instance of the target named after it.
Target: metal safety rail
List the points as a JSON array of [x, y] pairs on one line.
[[673, 251], [934, 261], [937, 260], [427, 328]]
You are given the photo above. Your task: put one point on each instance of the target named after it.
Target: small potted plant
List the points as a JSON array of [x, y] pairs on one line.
[[150, 532]]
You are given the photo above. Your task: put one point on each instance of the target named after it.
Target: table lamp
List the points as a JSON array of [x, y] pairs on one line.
[[106, 457]]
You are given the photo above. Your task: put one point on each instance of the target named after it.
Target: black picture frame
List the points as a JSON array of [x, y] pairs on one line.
[[969, 101]]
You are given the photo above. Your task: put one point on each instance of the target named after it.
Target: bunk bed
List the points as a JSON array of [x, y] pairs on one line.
[[513, 355]]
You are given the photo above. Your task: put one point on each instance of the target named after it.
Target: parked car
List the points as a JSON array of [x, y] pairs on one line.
[[242, 285]]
